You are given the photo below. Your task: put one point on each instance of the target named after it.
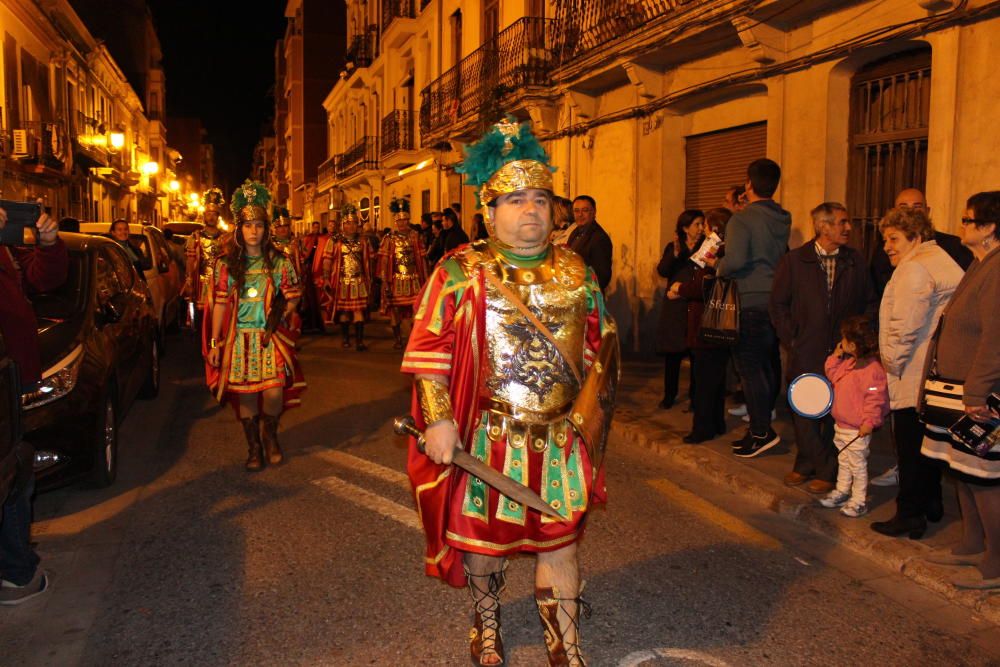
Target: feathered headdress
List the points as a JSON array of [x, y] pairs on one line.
[[280, 215], [400, 207], [213, 199], [349, 212], [251, 201], [506, 159]]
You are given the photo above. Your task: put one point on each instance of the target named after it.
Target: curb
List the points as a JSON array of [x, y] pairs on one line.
[[904, 557]]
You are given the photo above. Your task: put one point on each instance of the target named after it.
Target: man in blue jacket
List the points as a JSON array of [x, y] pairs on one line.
[[756, 238]]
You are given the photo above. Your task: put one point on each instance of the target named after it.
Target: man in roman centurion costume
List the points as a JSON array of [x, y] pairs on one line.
[[348, 262], [204, 247], [515, 361], [401, 268]]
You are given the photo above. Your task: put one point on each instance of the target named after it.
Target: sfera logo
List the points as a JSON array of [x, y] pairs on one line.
[[721, 305]]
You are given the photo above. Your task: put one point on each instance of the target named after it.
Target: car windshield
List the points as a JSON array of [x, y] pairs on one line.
[[67, 299]]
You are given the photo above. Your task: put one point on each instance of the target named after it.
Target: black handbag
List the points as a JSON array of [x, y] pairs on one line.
[[940, 398], [720, 321]]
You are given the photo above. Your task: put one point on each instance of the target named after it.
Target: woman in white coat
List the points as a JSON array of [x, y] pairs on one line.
[[924, 279]]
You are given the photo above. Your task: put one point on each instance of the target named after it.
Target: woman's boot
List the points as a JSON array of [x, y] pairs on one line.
[[359, 335], [255, 457], [485, 639], [271, 447], [563, 651], [345, 328]]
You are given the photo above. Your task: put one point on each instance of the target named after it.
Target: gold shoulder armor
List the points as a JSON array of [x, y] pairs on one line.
[[570, 269]]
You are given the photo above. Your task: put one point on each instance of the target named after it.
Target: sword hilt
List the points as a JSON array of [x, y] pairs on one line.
[[406, 425]]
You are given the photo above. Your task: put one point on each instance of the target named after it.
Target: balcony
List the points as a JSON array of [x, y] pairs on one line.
[[402, 29], [40, 146], [326, 173], [487, 82], [363, 49], [360, 157], [397, 137]]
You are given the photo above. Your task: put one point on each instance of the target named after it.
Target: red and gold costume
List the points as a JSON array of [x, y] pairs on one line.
[[204, 248], [402, 270], [348, 286], [511, 393]]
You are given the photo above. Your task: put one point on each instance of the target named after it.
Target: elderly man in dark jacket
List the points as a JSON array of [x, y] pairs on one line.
[[590, 241], [816, 286]]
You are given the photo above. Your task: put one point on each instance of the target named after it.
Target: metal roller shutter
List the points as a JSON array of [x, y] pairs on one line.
[[718, 160]]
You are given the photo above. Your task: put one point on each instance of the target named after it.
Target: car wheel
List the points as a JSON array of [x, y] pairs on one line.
[[151, 387], [106, 443]]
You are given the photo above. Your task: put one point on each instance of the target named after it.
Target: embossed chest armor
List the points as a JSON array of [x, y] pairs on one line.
[[526, 371], [352, 259], [211, 249], [404, 256]]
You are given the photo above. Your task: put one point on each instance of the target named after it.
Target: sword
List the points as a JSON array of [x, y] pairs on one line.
[[404, 425]]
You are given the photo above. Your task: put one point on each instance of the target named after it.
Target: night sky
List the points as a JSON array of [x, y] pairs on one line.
[[219, 61]]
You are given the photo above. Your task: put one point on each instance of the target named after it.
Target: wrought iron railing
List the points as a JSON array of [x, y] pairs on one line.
[[361, 156], [480, 85], [327, 170], [396, 9], [363, 48], [580, 26], [397, 132]]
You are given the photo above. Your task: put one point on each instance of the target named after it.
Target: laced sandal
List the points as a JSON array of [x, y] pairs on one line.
[[561, 653], [485, 639]]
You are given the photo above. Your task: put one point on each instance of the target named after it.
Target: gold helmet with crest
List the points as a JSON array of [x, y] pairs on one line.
[[251, 201]]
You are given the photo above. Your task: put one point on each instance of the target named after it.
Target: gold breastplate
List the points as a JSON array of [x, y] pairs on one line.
[[405, 259], [525, 370], [210, 251], [352, 258]]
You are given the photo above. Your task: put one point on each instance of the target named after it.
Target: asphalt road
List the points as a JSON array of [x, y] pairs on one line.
[[189, 560]]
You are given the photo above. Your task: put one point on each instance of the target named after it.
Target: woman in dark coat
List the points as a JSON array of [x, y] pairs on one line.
[[675, 266]]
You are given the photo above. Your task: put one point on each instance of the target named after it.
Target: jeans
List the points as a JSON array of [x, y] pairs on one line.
[[18, 560], [754, 357]]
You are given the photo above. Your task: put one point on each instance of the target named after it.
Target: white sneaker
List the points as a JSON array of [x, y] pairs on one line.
[[746, 417], [854, 510], [834, 499], [889, 478], [738, 410]]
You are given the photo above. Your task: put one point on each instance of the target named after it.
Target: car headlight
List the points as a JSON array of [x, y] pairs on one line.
[[57, 381]]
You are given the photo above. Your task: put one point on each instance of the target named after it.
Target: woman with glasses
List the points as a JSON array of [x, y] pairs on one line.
[[967, 352]]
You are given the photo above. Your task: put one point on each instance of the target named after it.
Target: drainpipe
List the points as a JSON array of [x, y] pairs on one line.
[[634, 296]]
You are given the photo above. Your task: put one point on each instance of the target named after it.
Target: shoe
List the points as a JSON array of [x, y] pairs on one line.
[[666, 405], [774, 415], [738, 410], [255, 451], [272, 449], [889, 478], [697, 438], [758, 445], [795, 479], [914, 527], [11, 594], [934, 510], [854, 510], [947, 558], [834, 499], [742, 442], [973, 580], [819, 486]]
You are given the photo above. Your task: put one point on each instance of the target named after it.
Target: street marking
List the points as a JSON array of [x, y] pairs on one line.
[[713, 514], [367, 467], [639, 657], [372, 501]]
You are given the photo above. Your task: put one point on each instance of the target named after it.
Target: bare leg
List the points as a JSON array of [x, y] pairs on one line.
[[559, 571], [480, 569], [972, 526], [273, 402], [248, 405], [988, 504]]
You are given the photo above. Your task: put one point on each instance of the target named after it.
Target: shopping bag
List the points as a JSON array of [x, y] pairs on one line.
[[720, 321]]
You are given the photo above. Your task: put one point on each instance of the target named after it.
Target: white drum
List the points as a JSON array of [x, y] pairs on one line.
[[810, 395]]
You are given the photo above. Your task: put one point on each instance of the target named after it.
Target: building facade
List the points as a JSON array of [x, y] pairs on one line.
[[652, 107]]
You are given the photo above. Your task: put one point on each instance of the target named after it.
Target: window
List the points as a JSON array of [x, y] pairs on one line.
[[491, 19], [425, 201], [890, 107]]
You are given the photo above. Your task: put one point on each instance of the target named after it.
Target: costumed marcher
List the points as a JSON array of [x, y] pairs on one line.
[[204, 247], [251, 360], [283, 241], [515, 360], [401, 268], [347, 264]]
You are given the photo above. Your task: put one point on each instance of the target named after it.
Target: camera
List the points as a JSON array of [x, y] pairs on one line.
[[21, 223]]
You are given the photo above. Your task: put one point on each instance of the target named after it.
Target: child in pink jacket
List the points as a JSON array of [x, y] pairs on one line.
[[860, 405]]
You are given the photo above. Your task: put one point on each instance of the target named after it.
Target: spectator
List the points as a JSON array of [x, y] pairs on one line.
[[590, 241], [708, 364], [121, 234], [426, 234], [911, 198], [479, 230], [562, 220], [452, 234], [22, 269], [735, 198], [816, 287], [922, 283], [435, 250], [860, 405], [676, 266], [967, 352], [756, 238]]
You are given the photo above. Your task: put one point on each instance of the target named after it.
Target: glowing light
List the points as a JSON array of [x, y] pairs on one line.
[[193, 197], [117, 140], [151, 168], [174, 185]]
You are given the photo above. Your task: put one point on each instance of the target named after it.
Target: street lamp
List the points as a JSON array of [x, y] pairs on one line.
[[174, 185], [151, 168], [117, 138]]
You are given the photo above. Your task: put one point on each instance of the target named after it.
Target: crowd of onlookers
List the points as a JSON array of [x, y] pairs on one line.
[[876, 329]]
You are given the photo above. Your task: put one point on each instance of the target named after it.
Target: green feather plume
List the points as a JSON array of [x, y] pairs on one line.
[[495, 149], [251, 193], [400, 205], [280, 212]]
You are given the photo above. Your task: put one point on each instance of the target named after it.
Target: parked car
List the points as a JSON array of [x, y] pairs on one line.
[[163, 274], [12, 454], [100, 349], [183, 228]]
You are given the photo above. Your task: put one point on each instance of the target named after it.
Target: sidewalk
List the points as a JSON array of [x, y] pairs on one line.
[[639, 420]]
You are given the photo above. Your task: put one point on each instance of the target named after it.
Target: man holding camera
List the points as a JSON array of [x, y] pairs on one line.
[[24, 268]]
